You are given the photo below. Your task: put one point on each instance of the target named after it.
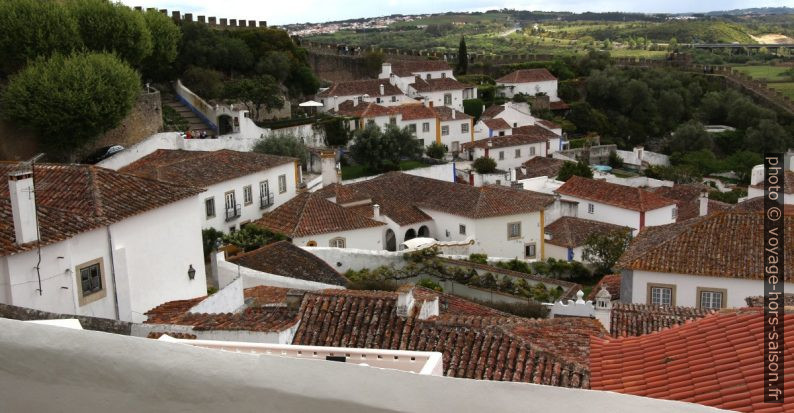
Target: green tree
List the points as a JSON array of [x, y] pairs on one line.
[[742, 163], [251, 237], [672, 45], [283, 145], [276, 64], [70, 100], [207, 83], [335, 129], [463, 57], [209, 238], [604, 250], [473, 108], [768, 136], [436, 150], [33, 28], [430, 284], [367, 148], [372, 61], [484, 165], [400, 143], [258, 94], [615, 161], [165, 46], [690, 136], [570, 169], [112, 27]]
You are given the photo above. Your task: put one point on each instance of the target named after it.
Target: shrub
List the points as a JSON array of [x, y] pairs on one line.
[[430, 284], [615, 161], [473, 108], [436, 150], [113, 28], [570, 169], [528, 309], [283, 145], [479, 258], [209, 237], [484, 165], [251, 237]]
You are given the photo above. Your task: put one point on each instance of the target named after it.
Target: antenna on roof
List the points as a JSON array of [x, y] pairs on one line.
[[24, 166]]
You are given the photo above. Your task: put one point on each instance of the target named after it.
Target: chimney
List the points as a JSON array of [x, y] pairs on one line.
[[376, 211], [356, 100], [429, 309], [513, 175], [386, 69], [382, 89], [405, 300], [489, 143], [328, 167], [638, 153], [603, 307], [23, 206], [704, 203], [453, 114], [294, 299]]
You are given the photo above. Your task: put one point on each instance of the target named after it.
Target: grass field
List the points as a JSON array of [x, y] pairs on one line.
[[786, 88], [768, 73], [359, 171]]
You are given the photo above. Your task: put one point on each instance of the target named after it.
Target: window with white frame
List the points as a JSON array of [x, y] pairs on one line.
[[513, 230], [427, 76], [443, 75], [392, 121], [530, 250], [282, 184], [445, 130], [711, 298], [426, 127], [370, 122], [337, 242], [248, 195], [518, 153], [209, 207], [447, 98], [660, 294], [590, 208], [462, 229], [394, 98], [464, 128]]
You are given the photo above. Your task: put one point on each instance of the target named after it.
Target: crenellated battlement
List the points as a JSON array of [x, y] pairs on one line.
[[212, 21]]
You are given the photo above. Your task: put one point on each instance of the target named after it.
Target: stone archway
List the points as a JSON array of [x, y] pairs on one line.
[[410, 234], [391, 240], [424, 232]]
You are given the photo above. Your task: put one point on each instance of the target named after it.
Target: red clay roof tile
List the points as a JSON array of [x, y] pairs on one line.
[[622, 196], [288, 260], [573, 232], [527, 76]]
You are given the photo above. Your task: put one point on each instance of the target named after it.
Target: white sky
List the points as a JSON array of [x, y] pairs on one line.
[[301, 11]]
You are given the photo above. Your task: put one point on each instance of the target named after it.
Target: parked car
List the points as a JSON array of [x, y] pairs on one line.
[[102, 154]]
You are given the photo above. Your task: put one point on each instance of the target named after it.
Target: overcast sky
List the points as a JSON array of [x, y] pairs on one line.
[[277, 12]]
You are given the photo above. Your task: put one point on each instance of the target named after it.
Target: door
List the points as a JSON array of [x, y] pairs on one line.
[[230, 203]]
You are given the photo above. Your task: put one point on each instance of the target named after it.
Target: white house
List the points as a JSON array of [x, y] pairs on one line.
[[515, 114], [403, 73], [756, 188], [529, 82], [509, 151], [567, 236], [240, 186], [378, 91], [445, 91], [618, 204], [455, 128], [92, 241], [714, 261], [487, 128]]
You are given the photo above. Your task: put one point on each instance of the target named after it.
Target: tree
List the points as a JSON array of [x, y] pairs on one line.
[[473, 108], [605, 249], [276, 64], [33, 28], [570, 169], [690, 136], [768, 136], [70, 100], [335, 130], [673, 44], [165, 46], [742, 163], [484, 165], [283, 145], [372, 147], [436, 150], [615, 161], [367, 147], [372, 61], [399, 144], [257, 93], [207, 83], [463, 57], [112, 27]]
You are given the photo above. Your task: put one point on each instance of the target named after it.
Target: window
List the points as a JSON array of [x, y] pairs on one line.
[[515, 124], [91, 284], [248, 195], [282, 184], [661, 294], [462, 229], [445, 130], [337, 243], [209, 207], [447, 98], [377, 100], [394, 98], [711, 297], [412, 128], [675, 212], [426, 127], [501, 155], [232, 229], [590, 208], [518, 153], [311, 243], [513, 230], [532, 150], [392, 121], [370, 122], [455, 146], [443, 75], [501, 133], [428, 76], [265, 197], [464, 128], [530, 251]]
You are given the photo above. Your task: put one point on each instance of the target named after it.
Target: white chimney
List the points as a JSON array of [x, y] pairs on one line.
[[453, 114], [638, 153], [382, 89], [704, 203], [405, 300], [513, 175], [23, 206], [376, 211], [386, 69], [489, 143], [328, 166], [429, 309], [603, 308]]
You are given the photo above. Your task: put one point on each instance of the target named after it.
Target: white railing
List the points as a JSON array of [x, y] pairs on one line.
[[419, 362]]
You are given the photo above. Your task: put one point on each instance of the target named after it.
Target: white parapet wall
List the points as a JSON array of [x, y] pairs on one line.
[[343, 259], [229, 272]]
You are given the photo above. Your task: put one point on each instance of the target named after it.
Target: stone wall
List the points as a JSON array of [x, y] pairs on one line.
[[338, 68], [88, 323], [143, 121]]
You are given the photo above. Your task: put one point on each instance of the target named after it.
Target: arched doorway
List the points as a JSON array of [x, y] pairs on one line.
[[225, 125], [391, 240], [424, 231], [410, 234]]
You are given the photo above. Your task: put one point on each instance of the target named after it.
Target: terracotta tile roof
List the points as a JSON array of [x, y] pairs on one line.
[[362, 110], [257, 316], [754, 205], [548, 124], [413, 111], [438, 84], [534, 130], [558, 105], [284, 258], [726, 244], [400, 195], [369, 87], [444, 114], [715, 361], [758, 301], [496, 124], [72, 199], [505, 141], [341, 194], [527, 76], [492, 111], [311, 214], [202, 168], [622, 196], [687, 197], [573, 232], [541, 166], [611, 282], [405, 68], [511, 352], [639, 319], [788, 184]]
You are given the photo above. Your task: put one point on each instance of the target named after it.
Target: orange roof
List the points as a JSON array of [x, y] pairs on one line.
[[363, 109], [715, 361], [413, 111], [527, 76], [505, 141], [622, 196], [496, 124]]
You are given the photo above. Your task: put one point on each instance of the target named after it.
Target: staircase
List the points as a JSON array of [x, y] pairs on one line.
[[194, 122]]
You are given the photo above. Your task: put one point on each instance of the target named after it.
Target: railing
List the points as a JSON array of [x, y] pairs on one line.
[[266, 200], [233, 213]]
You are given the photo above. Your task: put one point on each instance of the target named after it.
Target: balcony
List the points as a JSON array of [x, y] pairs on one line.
[[266, 200], [233, 213]]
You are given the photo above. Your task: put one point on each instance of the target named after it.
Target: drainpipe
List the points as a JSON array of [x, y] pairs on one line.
[[113, 274]]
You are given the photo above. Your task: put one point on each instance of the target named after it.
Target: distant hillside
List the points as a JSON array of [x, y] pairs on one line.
[[752, 11]]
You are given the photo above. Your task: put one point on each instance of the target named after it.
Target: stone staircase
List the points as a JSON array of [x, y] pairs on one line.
[[194, 122]]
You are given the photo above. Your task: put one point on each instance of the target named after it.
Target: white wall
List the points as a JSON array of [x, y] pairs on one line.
[[437, 98], [607, 213], [516, 118], [332, 102], [686, 287], [228, 272], [492, 237], [365, 238], [272, 337], [660, 216], [229, 299], [549, 87], [510, 160], [455, 133], [357, 259]]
